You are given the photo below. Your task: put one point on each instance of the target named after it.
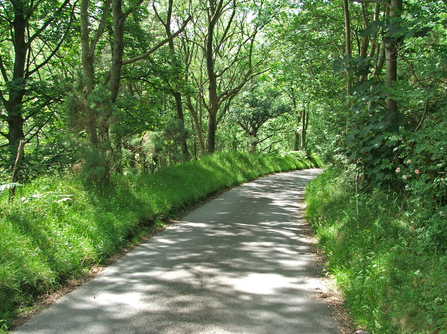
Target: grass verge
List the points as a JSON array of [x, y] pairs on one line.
[[393, 278], [56, 230]]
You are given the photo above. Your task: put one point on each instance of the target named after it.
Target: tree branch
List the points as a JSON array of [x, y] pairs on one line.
[[158, 15], [243, 126], [46, 104], [3, 70], [423, 116], [130, 10], [32, 8], [4, 17], [227, 29], [215, 14], [233, 92], [56, 49], [101, 27], [263, 140], [48, 22], [39, 129], [386, 4], [157, 46]]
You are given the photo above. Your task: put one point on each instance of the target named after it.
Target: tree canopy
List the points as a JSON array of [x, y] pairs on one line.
[[125, 84]]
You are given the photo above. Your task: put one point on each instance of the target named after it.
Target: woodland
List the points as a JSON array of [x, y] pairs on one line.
[[100, 95]]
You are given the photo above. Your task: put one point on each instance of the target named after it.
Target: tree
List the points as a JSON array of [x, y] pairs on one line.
[[228, 45], [387, 105], [391, 50], [257, 105], [33, 32], [308, 40], [174, 86], [98, 103]]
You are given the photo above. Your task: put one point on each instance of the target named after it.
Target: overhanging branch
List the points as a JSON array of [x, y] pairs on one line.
[[131, 10], [101, 28], [48, 22], [159, 45], [386, 4], [263, 140]]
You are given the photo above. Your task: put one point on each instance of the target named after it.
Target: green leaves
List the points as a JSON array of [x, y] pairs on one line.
[[258, 104], [390, 264]]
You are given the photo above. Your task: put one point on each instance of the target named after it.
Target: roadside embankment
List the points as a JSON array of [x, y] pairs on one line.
[[56, 230], [387, 254]]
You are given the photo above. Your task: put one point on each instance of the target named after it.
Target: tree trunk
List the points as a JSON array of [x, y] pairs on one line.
[[24, 28], [365, 41], [254, 139], [118, 49], [374, 45], [180, 116], [116, 67], [348, 39], [298, 119], [296, 141], [391, 57], [348, 56], [197, 124], [305, 118], [212, 125], [88, 72], [175, 92], [17, 85], [213, 107], [15, 134]]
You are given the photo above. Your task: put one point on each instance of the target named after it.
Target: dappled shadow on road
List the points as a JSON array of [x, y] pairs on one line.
[[239, 264]]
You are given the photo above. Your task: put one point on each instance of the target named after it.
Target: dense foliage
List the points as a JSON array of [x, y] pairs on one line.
[[110, 88], [390, 263]]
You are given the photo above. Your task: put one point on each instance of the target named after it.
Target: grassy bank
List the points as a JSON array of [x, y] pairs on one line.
[[56, 230], [391, 269]]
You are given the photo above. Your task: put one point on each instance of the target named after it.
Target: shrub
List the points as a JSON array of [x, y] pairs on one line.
[[391, 271]]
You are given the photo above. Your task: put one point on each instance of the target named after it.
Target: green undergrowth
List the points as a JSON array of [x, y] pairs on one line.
[[383, 253], [55, 229]]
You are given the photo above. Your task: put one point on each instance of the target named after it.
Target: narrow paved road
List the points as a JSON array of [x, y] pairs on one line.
[[239, 264]]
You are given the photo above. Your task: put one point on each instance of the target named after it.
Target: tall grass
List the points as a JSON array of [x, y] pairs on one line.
[[56, 229], [393, 279]]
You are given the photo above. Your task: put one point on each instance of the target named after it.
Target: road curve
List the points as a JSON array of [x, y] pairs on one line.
[[239, 264]]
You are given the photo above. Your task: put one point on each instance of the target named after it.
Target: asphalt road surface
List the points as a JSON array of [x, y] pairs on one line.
[[239, 264]]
